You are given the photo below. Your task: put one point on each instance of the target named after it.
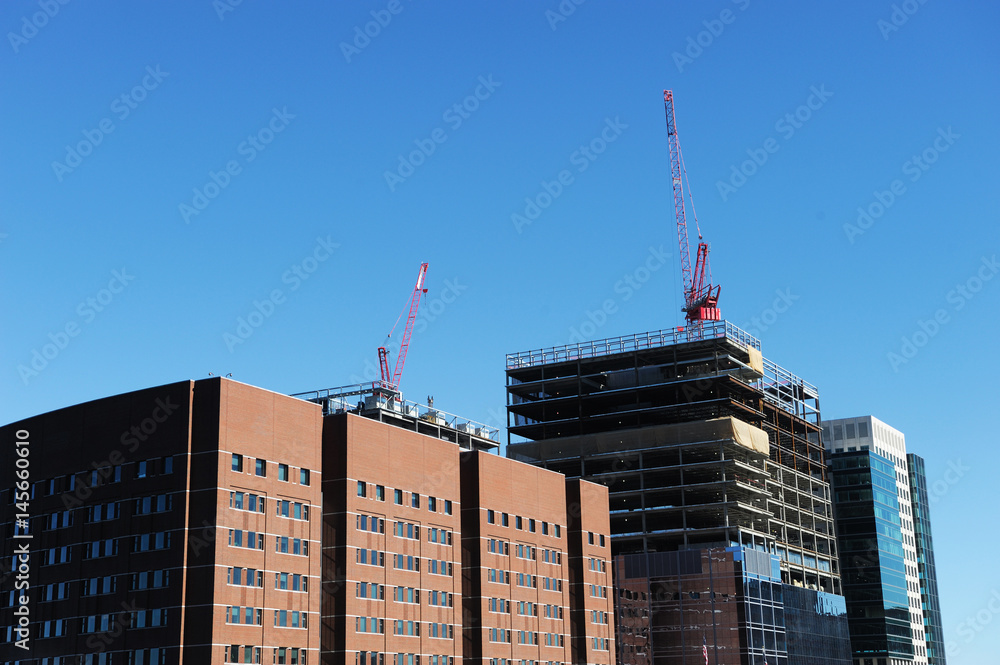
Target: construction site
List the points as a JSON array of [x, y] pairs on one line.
[[720, 504], [719, 519]]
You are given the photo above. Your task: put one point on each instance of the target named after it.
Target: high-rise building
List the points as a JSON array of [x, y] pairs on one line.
[[168, 525], [720, 503], [214, 522], [875, 525], [926, 569]]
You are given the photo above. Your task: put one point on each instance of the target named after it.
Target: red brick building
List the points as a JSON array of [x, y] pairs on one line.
[[523, 550], [215, 522]]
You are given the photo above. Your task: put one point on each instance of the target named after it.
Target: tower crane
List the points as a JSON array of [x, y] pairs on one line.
[[701, 298], [390, 382]]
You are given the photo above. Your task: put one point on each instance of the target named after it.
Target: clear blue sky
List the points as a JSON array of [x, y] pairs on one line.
[[202, 86]]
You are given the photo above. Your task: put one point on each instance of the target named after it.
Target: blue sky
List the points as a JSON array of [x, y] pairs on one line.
[[206, 152]]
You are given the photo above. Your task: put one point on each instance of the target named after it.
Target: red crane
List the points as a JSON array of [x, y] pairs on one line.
[[701, 298], [392, 381]]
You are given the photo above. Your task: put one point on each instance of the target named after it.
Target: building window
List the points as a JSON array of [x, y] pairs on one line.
[[154, 579], [379, 493], [415, 500], [431, 504], [237, 462], [153, 504], [398, 497], [447, 507], [531, 525], [303, 476], [292, 509], [151, 541], [602, 540], [490, 517], [261, 469], [518, 522], [283, 472], [849, 427], [557, 530], [362, 488], [140, 469], [504, 519]]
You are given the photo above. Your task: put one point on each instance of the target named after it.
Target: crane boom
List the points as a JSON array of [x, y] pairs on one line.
[[678, 188], [701, 298], [392, 381]]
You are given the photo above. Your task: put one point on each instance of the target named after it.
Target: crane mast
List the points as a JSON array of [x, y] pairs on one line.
[[701, 298], [390, 382]]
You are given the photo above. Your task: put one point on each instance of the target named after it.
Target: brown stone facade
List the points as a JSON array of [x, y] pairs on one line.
[[391, 553], [522, 555], [214, 522]]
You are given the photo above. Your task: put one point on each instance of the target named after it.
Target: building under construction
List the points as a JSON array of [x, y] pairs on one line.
[[721, 517]]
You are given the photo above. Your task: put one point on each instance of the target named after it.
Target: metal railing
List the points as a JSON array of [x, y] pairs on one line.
[[780, 387], [638, 341], [358, 397]]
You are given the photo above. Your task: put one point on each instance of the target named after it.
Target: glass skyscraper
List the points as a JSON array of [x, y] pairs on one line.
[[889, 475], [867, 509], [925, 561]]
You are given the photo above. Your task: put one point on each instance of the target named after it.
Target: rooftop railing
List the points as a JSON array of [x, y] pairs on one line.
[[636, 342], [363, 396]]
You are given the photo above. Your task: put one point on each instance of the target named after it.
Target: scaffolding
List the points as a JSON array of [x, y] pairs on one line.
[[375, 401], [615, 389]]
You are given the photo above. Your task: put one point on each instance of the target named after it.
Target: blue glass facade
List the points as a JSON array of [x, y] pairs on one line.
[[925, 560], [762, 611], [731, 600], [817, 629], [866, 505]]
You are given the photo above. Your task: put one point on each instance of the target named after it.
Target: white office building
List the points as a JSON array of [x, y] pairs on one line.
[[870, 433]]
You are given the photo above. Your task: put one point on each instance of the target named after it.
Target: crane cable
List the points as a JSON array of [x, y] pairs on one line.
[[694, 214]]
